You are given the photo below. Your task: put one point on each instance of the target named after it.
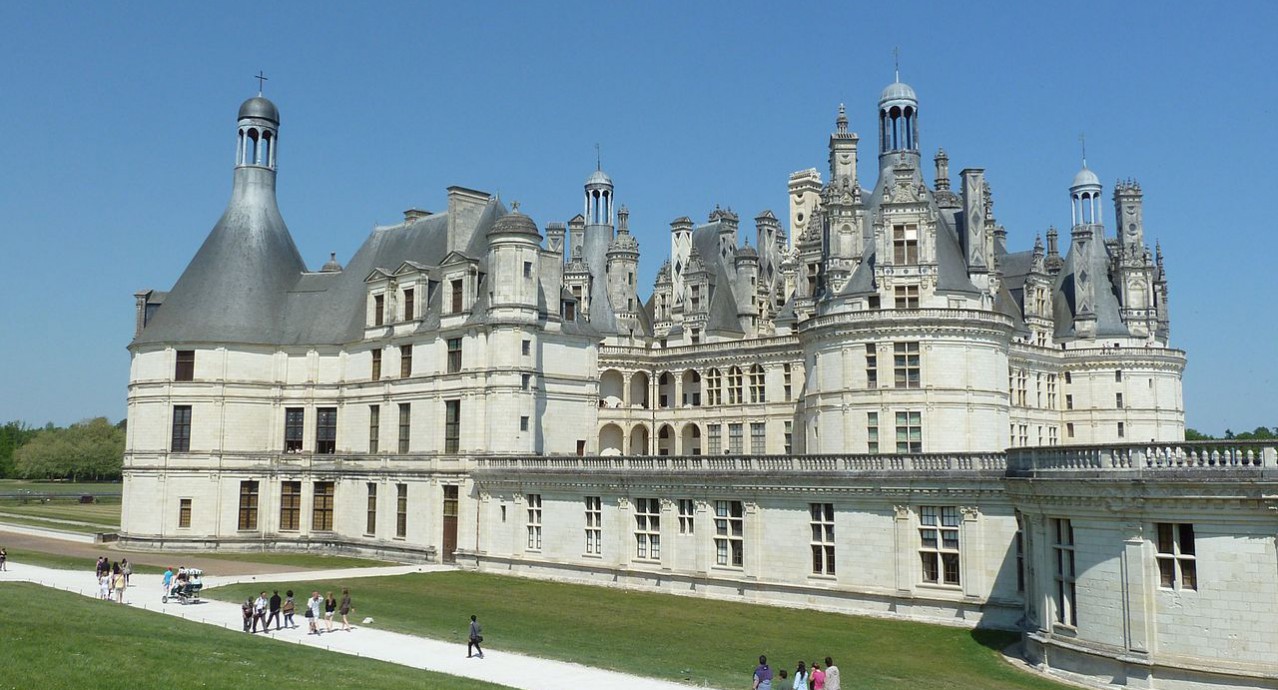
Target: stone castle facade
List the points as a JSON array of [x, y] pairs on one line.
[[875, 406]]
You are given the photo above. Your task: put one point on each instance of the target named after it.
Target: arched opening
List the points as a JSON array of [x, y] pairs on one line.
[[908, 124], [239, 148], [250, 147], [758, 389], [691, 388], [735, 391], [639, 389], [639, 440], [612, 387], [611, 440], [665, 440], [268, 149], [714, 390], [691, 439], [665, 390]]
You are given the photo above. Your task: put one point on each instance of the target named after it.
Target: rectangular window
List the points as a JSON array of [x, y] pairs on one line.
[[294, 423], [405, 361], [1069, 401], [1118, 400], [905, 364], [714, 394], [409, 304], [248, 505], [729, 533], [401, 511], [648, 529], [1118, 375], [1122, 430], [405, 425], [1177, 560], [326, 430], [455, 287], [377, 365], [939, 544], [1069, 429], [526, 348], [322, 510], [181, 438], [905, 244], [786, 372], [714, 440], [909, 432], [1068, 378], [374, 427], [527, 269], [735, 396], [594, 525], [525, 381], [454, 355], [534, 522], [452, 425], [379, 310], [871, 366], [907, 296], [185, 368], [735, 439], [1063, 563], [370, 510], [872, 432], [1051, 436], [687, 511], [822, 523], [184, 513], [789, 437], [758, 440], [290, 506], [758, 389], [523, 423]]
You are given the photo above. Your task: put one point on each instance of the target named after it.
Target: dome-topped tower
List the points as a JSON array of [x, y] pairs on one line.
[[259, 131], [898, 118], [598, 209], [1085, 197]]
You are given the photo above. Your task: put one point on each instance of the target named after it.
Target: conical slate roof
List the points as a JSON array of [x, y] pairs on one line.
[[235, 289]]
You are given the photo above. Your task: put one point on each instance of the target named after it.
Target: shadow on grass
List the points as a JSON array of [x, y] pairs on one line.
[[997, 640]]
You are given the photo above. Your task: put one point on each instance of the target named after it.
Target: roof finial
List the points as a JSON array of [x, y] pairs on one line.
[[514, 207], [598, 158], [1082, 141], [896, 61], [261, 78]]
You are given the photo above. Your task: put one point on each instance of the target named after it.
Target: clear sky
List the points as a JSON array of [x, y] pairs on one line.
[[117, 128]]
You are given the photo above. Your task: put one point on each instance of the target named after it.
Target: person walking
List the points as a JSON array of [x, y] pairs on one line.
[[801, 677], [246, 610], [120, 582], [475, 637], [104, 586], [831, 675], [313, 607], [818, 677], [126, 569], [4, 559], [330, 605], [763, 674], [259, 611], [345, 608], [168, 580], [287, 608], [275, 610]]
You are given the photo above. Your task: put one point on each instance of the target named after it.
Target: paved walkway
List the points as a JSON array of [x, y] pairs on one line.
[[504, 668]]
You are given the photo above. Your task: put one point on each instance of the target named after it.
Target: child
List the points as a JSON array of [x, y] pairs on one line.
[[287, 608]]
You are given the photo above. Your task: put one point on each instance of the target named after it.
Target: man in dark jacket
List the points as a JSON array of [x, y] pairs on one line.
[[475, 638], [275, 610]]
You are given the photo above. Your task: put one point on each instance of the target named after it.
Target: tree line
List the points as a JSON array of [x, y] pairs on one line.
[[91, 449], [1260, 433]]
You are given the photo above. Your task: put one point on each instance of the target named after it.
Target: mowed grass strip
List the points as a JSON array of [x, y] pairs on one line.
[[8, 486], [56, 639], [46, 523], [106, 515], [656, 635], [21, 557], [312, 561]]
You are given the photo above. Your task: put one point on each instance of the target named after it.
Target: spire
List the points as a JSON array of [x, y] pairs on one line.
[[261, 79], [942, 170], [896, 64], [841, 122]]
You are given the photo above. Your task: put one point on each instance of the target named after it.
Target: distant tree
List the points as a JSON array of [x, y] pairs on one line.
[[1229, 433], [1196, 435], [12, 436], [91, 449]]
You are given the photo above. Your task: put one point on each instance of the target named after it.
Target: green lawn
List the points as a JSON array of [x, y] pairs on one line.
[[106, 515], [299, 560], [47, 524], [68, 488], [77, 642], [54, 560], [660, 635]]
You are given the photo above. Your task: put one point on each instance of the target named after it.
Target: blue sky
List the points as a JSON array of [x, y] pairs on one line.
[[118, 124]]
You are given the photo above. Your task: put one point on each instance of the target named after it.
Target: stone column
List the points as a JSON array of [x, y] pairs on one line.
[[905, 539], [621, 524], [1138, 595], [972, 552], [753, 542]]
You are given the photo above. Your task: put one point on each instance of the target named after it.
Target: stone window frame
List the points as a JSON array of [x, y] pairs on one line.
[[184, 513], [453, 361], [376, 373], [714, 439], [406, 360], [370, 510], [326, 430], [249, 498], [532, 503], [907, 364], [758, 438], [909, 431], [905, 296], [687, 516], [1064, 573], [758, 384], [324, 499], [905, 244], [714, 387], [405, 426], [729, 533], [821, 520], [594, 525], [872, 433], [290, 506], [294, 429], [736, 391], [401, 511], [940, 547], [647, 529], [871, 365], [374, 428], [1177, 555], [736, 439]]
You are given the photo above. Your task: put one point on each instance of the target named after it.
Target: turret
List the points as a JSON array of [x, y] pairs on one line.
[[623, 268], [843, 152], [680, 252], [1128, 222], [974, 219], [898, 120], [513, 254]]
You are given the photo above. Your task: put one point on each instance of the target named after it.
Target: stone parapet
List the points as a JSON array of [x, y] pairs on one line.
[[1194, 459], [749, 464]]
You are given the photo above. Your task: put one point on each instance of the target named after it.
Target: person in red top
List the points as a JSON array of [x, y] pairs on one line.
[[818, 677]]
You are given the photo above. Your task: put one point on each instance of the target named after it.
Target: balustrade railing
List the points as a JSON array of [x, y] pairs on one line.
[[1195, 456], [931, 462]]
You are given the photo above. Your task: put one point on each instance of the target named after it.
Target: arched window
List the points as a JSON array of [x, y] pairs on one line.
[[610, 440], [714, 391], [735, 393], [757, 390]]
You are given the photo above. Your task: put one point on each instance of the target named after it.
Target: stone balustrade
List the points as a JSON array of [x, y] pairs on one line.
[[922, 463], [1198, 457]]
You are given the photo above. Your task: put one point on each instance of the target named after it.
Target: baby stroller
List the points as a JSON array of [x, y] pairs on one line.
[[186, 591]]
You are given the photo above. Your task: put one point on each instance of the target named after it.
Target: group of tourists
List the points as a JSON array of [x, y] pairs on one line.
[[113, 578], [805, 677], [174, 578], [264, 610]]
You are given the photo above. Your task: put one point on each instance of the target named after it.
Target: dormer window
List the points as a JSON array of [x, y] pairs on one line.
[[569, 310], [905, 244], [379, 309], [696, 297], [455, 286], [409, 304]]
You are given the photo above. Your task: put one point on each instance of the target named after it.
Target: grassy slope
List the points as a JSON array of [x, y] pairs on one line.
[[105, 514], [67, 488], [661, 635], [54, 560], [77, 642]]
